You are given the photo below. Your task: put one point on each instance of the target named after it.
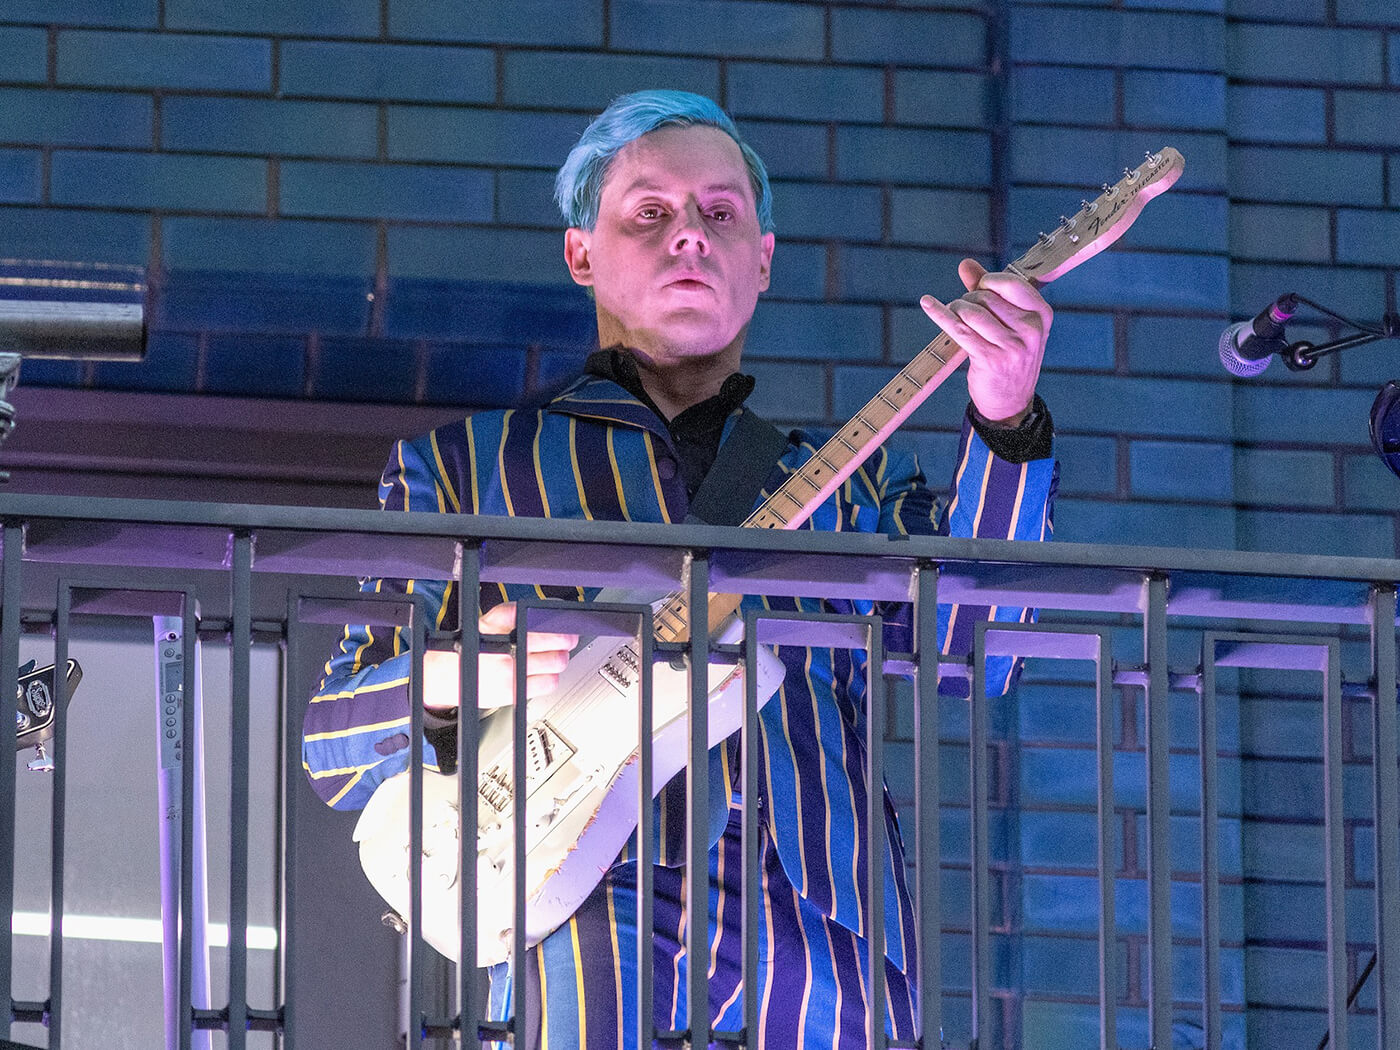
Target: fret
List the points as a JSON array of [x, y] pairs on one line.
[[882, 397], [790, 497], [846, 443]]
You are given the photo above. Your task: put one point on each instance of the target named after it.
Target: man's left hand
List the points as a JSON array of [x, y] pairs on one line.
[[1002, 322]]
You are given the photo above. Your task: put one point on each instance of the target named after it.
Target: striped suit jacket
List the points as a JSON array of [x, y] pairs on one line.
[[596, 452]]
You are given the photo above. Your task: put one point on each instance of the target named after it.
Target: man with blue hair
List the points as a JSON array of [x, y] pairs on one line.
[[670, 227]]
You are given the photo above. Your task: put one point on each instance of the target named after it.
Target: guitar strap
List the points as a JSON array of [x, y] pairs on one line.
[[743, 463]]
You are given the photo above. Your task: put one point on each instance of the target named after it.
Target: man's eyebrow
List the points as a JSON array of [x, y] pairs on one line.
[[644, 185]]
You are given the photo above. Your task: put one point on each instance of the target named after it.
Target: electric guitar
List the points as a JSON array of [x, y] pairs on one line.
[[581, 739]]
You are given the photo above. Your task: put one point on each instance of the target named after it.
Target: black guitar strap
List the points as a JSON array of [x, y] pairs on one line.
[[742, 465]]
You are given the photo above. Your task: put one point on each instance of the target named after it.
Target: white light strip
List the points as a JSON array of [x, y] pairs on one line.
[[134, 931]]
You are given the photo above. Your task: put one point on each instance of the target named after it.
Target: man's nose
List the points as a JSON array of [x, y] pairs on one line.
[[688, 232]]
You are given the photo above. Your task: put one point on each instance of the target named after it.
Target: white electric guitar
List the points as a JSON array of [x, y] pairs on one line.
[[581, 783]]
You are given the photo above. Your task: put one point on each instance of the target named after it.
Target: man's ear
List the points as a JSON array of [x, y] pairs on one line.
[[765, 265], [577, 243]]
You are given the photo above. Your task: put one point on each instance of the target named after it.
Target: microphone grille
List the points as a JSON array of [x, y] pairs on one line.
[[1236, 365]]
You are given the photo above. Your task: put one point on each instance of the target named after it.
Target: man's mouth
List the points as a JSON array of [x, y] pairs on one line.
[[688, 282]]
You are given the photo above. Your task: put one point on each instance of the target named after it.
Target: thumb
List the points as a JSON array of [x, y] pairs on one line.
[[971, 272]]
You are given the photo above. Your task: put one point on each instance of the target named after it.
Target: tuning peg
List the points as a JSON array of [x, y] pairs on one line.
[[1129, 174]]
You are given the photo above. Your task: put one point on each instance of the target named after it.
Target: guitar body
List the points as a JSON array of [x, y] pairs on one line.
[[581, 786]]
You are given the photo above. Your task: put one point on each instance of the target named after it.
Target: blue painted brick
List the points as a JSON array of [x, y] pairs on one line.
[[555, 80], [256, 366], [1061, 965], [526, 198], [1055, 712], [959, 218], [740, 28], [1276, 114], [1284, 233], [171, 365], [926, 96], [892, 274], [327, 189], [815, 330], [1393, 48], [1088, 465], [1350, 291], [907, 38], [1174, 345], [799, 272], [1368, 117], [1081, 341], [1091, 156], [1153, 525], [1367, 484], [264, 127], [1286, 412], [276, 246], [1055, 95], [1181, 470], [1279, 10], [1174, 100], [24, 54], [413, 72], [169, 60], [74, 118], [1146, 282], [21, 181], [1179, 221], [43, 372], [1121, 38], [790, 92], [522, 22], [1059, 840], [159, 181], [481, 136], [475, 376], [84, 236], [1212, 6], [1320, 55], [274, 17], [512, 256], [383, 370], [265, 302], [1352, 535], [825, 211], [488, 313], [790, 151], [1370, 12], [913, 155], [1306, 176], [127, 14], [789, 393], [1280, 478]]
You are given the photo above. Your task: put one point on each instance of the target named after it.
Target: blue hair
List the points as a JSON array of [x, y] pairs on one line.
[[578, 188]]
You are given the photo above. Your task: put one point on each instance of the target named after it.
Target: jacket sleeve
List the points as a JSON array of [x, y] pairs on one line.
[[356, 730], [989, 498]]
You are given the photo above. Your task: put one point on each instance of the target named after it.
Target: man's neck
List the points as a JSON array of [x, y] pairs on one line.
[[677, 385]]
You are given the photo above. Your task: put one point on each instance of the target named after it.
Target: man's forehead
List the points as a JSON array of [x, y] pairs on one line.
[[698, 156]]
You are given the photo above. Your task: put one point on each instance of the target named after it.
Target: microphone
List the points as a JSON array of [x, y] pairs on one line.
[[1245, 348]]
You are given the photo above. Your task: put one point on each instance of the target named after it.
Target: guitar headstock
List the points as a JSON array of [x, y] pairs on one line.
[[1100, 222]]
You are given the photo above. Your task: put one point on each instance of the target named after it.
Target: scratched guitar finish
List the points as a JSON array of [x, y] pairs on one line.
[[581, 782]]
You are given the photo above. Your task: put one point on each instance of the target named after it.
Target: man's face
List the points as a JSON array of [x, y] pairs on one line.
[[676, 260]]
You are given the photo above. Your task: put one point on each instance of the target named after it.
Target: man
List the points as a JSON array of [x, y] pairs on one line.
[[669, 217]]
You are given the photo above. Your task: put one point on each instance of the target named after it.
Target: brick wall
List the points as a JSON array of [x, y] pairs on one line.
[[349, 201]]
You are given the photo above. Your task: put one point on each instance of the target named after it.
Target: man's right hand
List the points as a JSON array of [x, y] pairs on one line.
[[547, 656]]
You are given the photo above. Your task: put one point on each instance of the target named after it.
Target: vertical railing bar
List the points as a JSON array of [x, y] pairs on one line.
[[1159, 875], [1108, 919], [646, 1008], [468, 775], [697, 882], [11, 598], [875, 1034], [189, 710], [59, 819], [927, 828], [519, 960], [240, 676], [418, 635], [980, 852], [291, 765], [750, 829], [1210, 848], [1335, 852], [1385, 806]]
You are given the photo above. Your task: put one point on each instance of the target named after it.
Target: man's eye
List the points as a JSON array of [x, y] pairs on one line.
[[649, 212], [721, 214]]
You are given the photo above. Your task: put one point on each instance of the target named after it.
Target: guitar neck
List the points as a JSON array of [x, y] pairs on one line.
[[1092, 229]]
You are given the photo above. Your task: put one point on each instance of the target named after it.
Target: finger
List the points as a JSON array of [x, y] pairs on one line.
[[954, 326], [971, 272], [551, 662], [499, 619], [540, 685], [1018, 292], [547, 641]]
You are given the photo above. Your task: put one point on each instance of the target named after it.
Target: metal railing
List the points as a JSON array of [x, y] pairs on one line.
[[249, 572]]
